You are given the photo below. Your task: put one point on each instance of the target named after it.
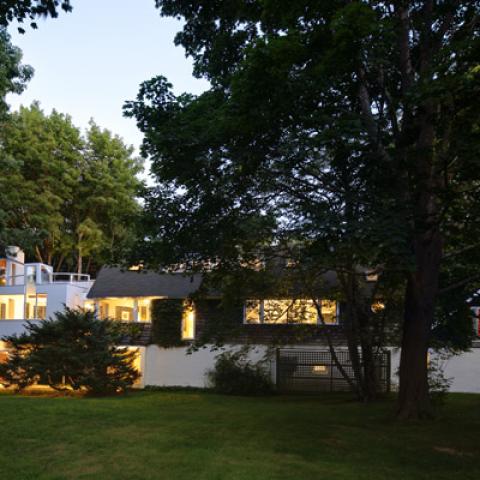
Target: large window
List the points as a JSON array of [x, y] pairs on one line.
[[127, 309], [188, 323], [278, 311], [12, 307]]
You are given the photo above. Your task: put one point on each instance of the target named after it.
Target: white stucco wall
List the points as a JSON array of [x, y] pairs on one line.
[[174, 367], [464, 370], [170, 367], [58, 294], [11, 327]]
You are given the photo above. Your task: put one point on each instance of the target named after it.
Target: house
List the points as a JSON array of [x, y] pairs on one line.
[[299, 361], [128, 296], [34, 292], [131, 296]]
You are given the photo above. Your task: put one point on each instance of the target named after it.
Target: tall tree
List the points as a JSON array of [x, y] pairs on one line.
[[13, 75], [104, 211], [75, 196], [304, 94], [13, 79]]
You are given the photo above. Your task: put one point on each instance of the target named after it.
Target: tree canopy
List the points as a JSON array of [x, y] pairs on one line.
[[13, 75], [72, 196], [347, 129], [30, 10]]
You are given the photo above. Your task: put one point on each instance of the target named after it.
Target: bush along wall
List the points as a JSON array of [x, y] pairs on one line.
[[167, 322]]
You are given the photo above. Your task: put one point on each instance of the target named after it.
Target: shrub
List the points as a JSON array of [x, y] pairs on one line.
[[167, 322], [234, 374], [75, 351], [438, 383]]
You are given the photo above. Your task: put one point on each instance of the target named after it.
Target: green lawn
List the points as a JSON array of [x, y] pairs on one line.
[[183, 435]]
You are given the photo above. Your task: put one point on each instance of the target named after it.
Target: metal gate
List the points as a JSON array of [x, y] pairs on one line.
[[315, 371]]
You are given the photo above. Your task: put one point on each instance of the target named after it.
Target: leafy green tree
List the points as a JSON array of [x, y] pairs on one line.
[[30, 10], [75, 196], [48, 152], [105, 211], [350, 126], [72, 351], [13, 75], [13, 79]]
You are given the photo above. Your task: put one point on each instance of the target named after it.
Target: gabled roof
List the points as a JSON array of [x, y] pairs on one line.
[[115, 282]]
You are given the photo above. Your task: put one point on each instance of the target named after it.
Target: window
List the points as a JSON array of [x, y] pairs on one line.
[[320, 370], [144, 310], [279, 311], [36, 307], [329, 312], [103, 310], [252, 311], [11, 307], [3, 273], [124, 314], [188, 323]]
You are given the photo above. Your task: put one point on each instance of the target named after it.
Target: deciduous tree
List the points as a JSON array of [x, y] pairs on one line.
[[75, 196], [341, 123]]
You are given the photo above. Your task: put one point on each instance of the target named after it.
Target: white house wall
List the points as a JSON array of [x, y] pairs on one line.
[[464, 370], [171, 367], [58, 295]]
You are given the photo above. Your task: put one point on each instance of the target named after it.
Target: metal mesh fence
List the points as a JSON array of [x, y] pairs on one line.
[[316, 371]]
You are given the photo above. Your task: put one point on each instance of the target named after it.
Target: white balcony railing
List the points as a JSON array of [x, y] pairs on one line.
[[58, 277], [70, 277]]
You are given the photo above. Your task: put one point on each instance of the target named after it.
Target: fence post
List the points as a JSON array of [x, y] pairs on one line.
[[331, 373], [389, 370], [277, 368]]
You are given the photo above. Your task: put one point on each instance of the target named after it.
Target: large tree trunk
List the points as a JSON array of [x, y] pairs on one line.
[[422, 287]]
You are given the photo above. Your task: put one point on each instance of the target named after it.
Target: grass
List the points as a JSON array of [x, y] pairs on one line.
[[191, 435]]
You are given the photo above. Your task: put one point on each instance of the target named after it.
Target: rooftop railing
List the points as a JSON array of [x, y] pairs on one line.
[[70, 277], [58, 277]]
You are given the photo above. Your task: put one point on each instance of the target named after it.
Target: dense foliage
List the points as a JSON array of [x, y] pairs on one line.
[[13, 75], [235, 374], [344, 132], [167, 317], [71, 198], [75, 351]]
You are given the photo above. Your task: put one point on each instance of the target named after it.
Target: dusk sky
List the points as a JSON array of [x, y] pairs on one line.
[[89, 61]]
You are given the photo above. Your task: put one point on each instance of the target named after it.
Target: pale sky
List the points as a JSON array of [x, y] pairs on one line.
[[89, 61]]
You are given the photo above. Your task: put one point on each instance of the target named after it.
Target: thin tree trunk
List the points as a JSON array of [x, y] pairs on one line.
[[89, 264], [60, 262], [79, 261], [38, 254]]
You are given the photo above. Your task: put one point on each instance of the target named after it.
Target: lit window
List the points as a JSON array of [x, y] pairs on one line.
[[276, 311], [89, 306], [36, 307], [329, 312], [144, 310], [188, 323], [377, 307], [11, 307], [103, 310], [252, 311], [320, 370]]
